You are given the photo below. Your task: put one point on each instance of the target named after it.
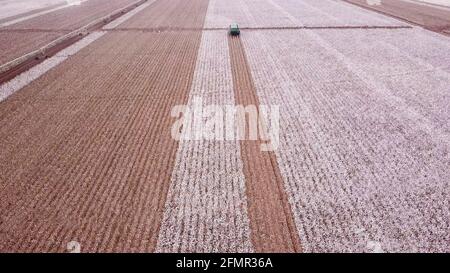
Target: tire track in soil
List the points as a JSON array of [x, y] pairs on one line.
[[271, 220], [104, 178]]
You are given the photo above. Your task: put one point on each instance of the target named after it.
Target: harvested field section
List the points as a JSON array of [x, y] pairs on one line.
[[12, 10], [271, 221], [38, 71], [360, 171], [423, 87], [170, 14], [72, 17], [14, 44], [96, 168], [433, 18], [440, 3], [19, 39], [206, 209], [335, 13]]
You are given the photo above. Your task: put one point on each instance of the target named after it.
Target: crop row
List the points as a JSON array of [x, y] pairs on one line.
[[166, 14], [87, 148], [358, 169], [421, 82], [19, 39], [72, 17], [291, 13], [206, 209]]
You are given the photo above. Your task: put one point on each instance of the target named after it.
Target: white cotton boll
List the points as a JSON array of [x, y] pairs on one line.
[[73, 2], [374, 247]]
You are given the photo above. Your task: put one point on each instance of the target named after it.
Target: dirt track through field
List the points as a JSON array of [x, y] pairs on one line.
[[271, 220], [98, 157]]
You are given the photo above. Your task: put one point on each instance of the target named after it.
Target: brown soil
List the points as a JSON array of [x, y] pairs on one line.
[[163, 15], [15, 44], [271, 220], [87, 152], [72, 17], [30, 13], [432, 18], [21, 38], [34, 59]]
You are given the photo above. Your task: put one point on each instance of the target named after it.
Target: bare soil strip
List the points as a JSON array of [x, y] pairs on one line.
[[34, 15], [37, 59], [87, 150], [427, 16], [96, 170], [31, 12], [15, 44], [128, 15], [25, 78], [13, 68], [271, 220], [437, 4], [74, 16], [163, 15]]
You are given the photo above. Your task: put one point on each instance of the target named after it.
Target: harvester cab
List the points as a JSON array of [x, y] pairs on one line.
[[234, 29]]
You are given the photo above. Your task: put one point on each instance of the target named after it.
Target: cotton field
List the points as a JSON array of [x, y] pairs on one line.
[[358, 157]]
